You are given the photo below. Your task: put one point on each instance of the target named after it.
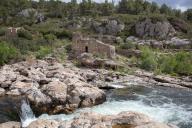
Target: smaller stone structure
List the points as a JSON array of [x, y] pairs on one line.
[[12, 32], [89, 45]]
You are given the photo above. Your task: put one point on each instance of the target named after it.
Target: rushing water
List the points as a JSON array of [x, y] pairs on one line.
[[167, 105], [26, 114]]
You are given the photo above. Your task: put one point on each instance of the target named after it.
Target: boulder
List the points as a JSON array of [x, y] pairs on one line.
[[85, 95], [37, 97], [179, 24], [86, 59], [56, 90], [178, 43], [30, 12], [10, 124], [44, 124], [108, 27], [160, 29], [14, 92], [7, 76]]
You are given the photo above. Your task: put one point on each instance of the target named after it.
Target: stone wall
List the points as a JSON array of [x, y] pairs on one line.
[[12, 32], [89, 45]]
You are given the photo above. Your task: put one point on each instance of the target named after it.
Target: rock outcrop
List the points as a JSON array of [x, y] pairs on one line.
[[108, 27], [94, 120], [30, 12], [172, 43], [159, 30], [50, 87]]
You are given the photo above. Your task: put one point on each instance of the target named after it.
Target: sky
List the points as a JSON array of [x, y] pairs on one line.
[[178, 4]]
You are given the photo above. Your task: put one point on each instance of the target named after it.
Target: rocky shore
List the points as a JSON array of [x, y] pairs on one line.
[[94, 120], [49, 86], [54, 88]]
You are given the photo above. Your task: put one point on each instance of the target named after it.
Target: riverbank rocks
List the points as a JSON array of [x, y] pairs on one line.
[[94, 120], [49, 86], [87, 60], [10, 124], [159, 29], [44, 124]]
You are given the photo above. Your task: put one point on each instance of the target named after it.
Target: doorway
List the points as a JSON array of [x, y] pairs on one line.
[[86, 49]]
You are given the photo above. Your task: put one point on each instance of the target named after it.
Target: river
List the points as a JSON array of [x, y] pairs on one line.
[[167, 105]]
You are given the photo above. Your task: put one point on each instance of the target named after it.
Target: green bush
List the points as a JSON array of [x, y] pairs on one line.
[[148, 59], [64, 34], [2, 31], [167, 64], [178, 63], [184, 63], [50, 37], [25, 34], [7, 53], [42, 52]]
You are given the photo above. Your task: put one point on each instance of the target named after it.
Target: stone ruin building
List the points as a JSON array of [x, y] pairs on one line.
[[12, 32], [90, 45]]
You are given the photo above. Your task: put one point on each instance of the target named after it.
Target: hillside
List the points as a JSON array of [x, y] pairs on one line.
[[43, 27]]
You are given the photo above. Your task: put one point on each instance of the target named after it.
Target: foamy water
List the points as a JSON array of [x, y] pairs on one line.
[[157, 104]]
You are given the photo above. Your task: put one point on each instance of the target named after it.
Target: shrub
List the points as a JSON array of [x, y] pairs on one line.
[[64, 34], [179, 63], [42, 52], [25, 34], [24, 45], [167, 64], [7, 52], [2, 31], [50, 37], [148, 59], [184, 63]]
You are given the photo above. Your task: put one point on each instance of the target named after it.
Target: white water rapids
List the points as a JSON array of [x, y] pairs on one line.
[[157, 106]]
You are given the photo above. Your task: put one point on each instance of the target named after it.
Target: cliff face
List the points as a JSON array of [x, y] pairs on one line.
[[159, 30]]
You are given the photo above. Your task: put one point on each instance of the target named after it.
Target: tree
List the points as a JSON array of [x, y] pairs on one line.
[[165, 9], [123, 6], [138, 6], [73, 7], [154, 8], [188, 15], [41, 4], [177, 13], [107, 8], [146, 7]]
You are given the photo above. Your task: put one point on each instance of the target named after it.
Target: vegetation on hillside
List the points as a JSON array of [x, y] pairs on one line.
[[175, 63], [42, 38]]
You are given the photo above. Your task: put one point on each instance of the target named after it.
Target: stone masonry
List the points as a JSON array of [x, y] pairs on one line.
[[90, 45]]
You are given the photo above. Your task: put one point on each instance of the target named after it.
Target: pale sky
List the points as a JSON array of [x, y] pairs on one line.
[[178, 4]]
